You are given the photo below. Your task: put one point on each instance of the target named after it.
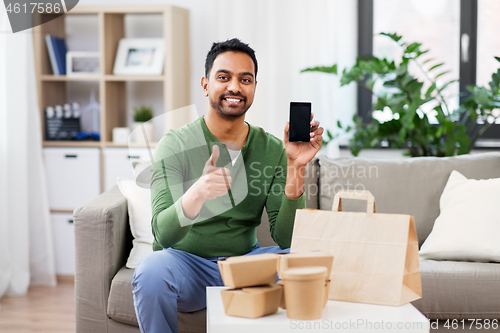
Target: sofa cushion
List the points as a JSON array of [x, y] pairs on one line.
[[403, 186], [468, 226], [121, 305], [459, 290], [139, 212], [121, 300]]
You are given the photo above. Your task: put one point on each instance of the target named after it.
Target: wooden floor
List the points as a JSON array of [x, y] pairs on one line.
[[44, 309]]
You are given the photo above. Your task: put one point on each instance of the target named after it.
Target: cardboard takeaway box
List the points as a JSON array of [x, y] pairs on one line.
[[252, 302], [253, 293], [304, 289], [281, 283], [248, 271], [305, 259]]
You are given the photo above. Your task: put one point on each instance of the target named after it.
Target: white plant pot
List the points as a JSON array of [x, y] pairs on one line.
[[142, 132]]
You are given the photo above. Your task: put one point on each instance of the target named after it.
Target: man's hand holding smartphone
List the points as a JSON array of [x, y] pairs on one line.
[[303, 136]]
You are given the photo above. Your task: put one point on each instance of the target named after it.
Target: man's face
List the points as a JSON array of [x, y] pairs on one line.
[[231, 84]]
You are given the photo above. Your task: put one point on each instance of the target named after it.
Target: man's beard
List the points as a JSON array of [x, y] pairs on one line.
[[228, 111]]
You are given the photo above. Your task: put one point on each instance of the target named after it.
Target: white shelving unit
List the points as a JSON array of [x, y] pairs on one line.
[[78, 171]]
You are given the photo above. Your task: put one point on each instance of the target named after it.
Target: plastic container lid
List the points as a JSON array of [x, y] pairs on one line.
[[305, 273]]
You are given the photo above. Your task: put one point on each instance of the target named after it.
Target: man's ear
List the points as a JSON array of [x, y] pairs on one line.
[[204, 85]]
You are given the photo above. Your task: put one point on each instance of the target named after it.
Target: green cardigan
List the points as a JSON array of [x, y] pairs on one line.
[[225, 226]]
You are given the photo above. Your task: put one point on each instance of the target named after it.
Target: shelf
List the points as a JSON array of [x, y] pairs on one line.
[[144, 78], [116, 94], [134, 77], [122, 9], [96, 144], [132, 145], [71, 143], [61, 210], [70, 78]]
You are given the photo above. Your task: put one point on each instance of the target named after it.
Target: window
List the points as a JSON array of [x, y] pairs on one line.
[[441, 26], [488, 43], [429, 16]]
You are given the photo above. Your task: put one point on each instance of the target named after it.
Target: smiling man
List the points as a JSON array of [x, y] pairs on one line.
[[231, 98], [209, 186]]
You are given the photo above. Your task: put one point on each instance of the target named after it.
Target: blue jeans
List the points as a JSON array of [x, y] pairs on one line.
[[171, 280]]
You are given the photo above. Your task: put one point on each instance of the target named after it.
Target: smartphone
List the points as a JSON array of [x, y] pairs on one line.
[[300, 122]]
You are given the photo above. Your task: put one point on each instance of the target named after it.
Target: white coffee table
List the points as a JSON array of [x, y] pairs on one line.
[[337, 317]]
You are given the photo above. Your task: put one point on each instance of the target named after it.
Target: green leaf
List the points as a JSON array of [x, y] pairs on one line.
[[353, 75], [339, 125], [430, 90], [496, 79], [329, 135], [498, 59], [395, 37], [440, 114], [390, 127], [446, 85], [419, 53], [439, 132], [412, 47], [391, 84], [436, 66], [441, 74], [407, 119], [402, 134], [330, 70]]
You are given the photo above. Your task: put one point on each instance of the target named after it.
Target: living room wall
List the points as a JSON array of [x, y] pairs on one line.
[[287, 35]]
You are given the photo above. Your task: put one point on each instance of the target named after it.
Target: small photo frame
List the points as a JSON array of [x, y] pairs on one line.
[[140, 56], [82, 63]]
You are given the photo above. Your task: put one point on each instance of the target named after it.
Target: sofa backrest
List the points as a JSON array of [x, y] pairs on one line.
[[402, 186]]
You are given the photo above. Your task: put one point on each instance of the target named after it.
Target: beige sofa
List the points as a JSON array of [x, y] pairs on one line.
[[451, 290]]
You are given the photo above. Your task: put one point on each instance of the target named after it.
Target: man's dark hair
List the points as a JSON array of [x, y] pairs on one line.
[[234, 45]]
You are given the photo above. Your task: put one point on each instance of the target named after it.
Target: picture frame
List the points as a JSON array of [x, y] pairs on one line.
[[140, 56], [82, 63]]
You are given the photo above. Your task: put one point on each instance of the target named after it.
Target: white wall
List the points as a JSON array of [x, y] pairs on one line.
[[287, 35]]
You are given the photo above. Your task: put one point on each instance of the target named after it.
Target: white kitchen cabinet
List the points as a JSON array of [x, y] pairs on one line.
[[73, 176], [64, 243], [118, 163]]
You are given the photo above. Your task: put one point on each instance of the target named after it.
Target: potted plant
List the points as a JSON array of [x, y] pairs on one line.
[[142, 127], [396, 89]]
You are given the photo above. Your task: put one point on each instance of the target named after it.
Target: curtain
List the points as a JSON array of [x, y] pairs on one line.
[[26, 250], [288, 36]]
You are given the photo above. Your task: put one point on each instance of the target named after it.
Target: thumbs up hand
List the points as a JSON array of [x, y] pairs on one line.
[[211, 162], [214, 181]]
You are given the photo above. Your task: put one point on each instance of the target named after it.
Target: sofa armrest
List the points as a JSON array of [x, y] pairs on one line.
[[101, 229]]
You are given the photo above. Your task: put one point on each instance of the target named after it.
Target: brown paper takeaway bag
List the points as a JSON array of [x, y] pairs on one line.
[[375, 255]]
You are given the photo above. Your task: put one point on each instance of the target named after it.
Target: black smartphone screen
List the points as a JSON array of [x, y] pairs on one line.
[[300, 119]]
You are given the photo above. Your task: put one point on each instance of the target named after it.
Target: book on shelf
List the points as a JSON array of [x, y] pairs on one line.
[[57, 54]]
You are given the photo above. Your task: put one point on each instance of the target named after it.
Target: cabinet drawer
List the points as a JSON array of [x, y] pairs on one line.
[[118, 163], [73, 176], [64, 243]]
